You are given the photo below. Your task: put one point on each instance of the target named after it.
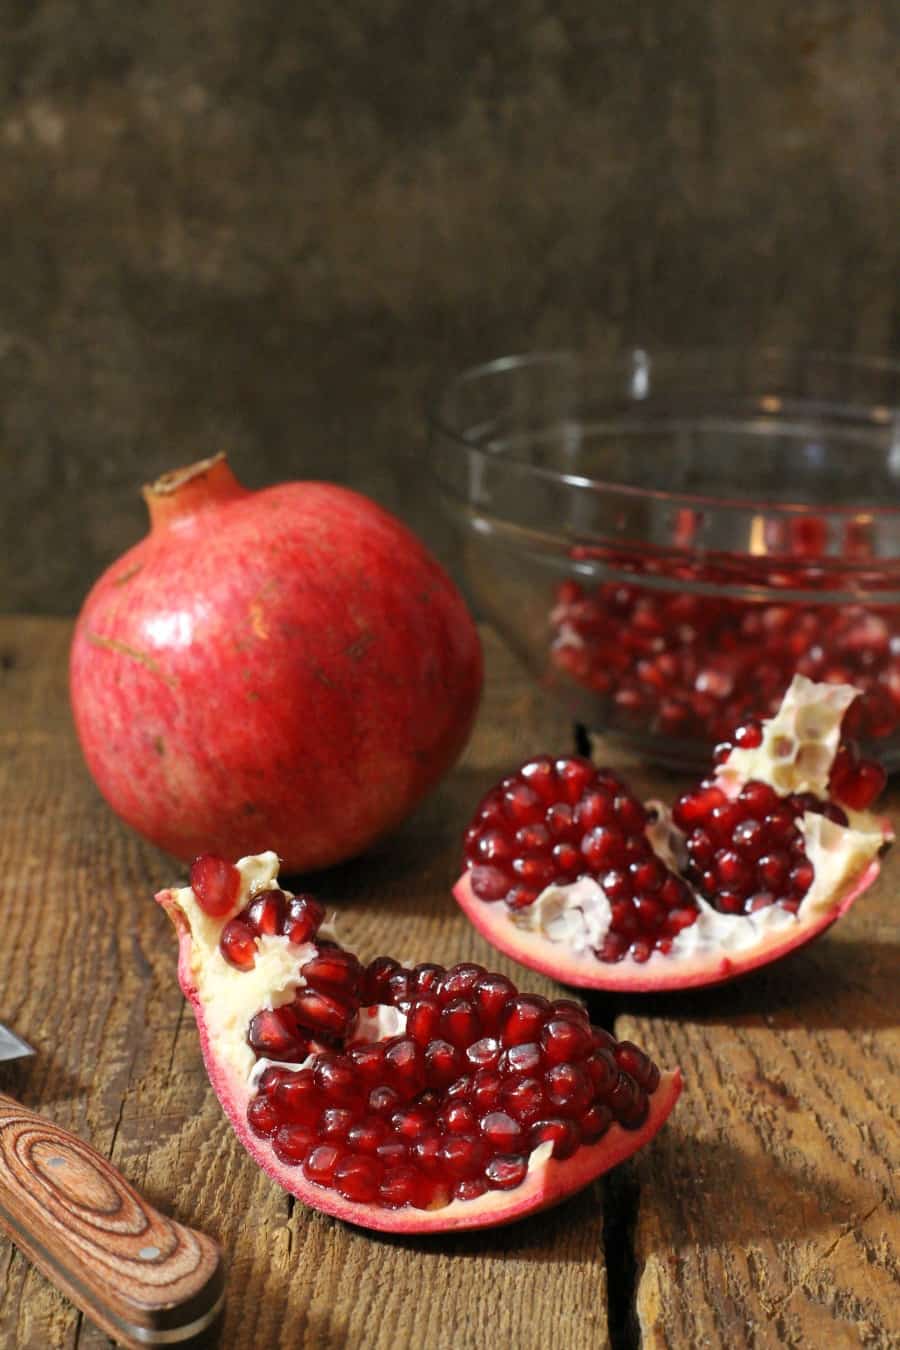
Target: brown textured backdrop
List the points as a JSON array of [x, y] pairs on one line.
[[268, 227]]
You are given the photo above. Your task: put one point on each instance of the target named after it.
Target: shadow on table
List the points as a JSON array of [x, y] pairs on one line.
[[851, 984], [716, 1193], [561, 1231]]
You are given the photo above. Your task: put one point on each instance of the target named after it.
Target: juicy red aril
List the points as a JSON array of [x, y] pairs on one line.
[[274, 1035], [460, 1023], [238, 944], [323, 1013], [695, 666], [271, 913], [564, 1135], [216, 884], [504, 1172], [293, 1142], [267, 913], [376, 979], [334, 971], [263, 1116], [749, 852], [420, 1120], [859, 783], [303, 919], [558, 821], [358, 1179]]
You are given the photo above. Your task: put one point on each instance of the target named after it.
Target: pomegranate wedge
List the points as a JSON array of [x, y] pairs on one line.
[[407, 1100], [570, 874]]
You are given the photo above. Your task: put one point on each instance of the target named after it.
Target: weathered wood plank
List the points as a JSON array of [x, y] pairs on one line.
[[768, 1213], [87, 973]]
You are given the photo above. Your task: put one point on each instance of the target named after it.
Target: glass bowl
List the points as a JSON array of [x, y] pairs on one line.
[[666, 537]]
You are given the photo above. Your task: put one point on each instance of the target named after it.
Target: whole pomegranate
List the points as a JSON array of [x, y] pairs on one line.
[[285, 669]]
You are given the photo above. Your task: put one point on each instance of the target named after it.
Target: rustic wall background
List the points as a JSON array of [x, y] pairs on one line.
[[269, 227]]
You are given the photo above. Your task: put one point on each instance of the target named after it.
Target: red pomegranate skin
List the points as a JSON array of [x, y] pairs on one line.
[[286, 669]]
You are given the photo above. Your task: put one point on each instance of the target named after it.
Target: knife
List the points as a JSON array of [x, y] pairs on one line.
[[145, 1279]]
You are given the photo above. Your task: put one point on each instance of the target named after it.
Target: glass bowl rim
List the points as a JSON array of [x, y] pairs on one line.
[[439, 425]]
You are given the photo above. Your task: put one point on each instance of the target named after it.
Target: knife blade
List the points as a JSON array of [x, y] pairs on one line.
[[12, 1046], [142, 1277]]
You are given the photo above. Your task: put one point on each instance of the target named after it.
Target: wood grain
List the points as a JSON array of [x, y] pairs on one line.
[[141, 1276], [768, 1212]]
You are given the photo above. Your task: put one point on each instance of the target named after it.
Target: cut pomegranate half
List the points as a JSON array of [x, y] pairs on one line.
[[569, 874], [406, 1100]]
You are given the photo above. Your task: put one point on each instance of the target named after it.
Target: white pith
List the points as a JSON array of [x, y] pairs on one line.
[[798, 748]]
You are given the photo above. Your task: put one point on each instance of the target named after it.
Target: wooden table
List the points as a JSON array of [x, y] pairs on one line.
[[762, 1215]]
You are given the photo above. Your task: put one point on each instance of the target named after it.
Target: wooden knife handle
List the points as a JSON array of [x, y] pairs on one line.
[[143, 1278]]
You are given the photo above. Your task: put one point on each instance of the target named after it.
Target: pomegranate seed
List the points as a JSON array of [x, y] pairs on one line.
[[334, 971], [540, 775], [523, 1019], [303, 919], [495, 847], [424, 977], [490, 996], [502, 1131], [483, 1054], [322, 1012], [460, 1024], [565, 1039], [443, 1063], [216, 884], [263, 1117], [772, 870], [367, 1062], [425, 1150], [273, 1035], [633, 1061], [801, 878], [459, 981], [376, 978], [486, 1089], [859, 788], [504, 1172], [238, 944], [521, 804], [462, 1155], [405, 1066], [569, 1089], [400, 988], [321, 1163], [357, 1179], [267, 912], [524, 1099], [292, 1143], [565, 1135], [423, 1019], [367, 1135], [336, 1079], [602, 848], [399, 1186], [521, 1059], [470, 1189], [749, 736], [457, 1118], [595, 1122], [297, 1098], [595, 808], [489, 883]]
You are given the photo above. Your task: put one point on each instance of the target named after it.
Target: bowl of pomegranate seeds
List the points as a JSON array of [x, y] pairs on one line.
[[667, 538]]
